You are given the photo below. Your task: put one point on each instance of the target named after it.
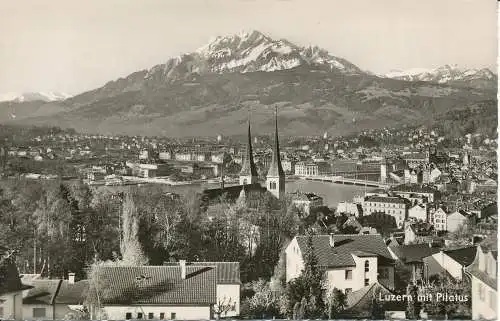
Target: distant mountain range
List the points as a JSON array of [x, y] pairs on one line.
[[209, 92], [33, 96], [454, 75]]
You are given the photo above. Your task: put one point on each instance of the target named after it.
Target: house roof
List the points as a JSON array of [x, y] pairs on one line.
[[129, 285], [345, 244], [413, 188], [72, 293], [413, 252], [227, 272], [465, 256], [356, 298], [43, 292], [381, 199], [231, 192]]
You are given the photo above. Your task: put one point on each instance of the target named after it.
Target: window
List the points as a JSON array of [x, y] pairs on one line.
[[139, 315], [173, 315], [348, 274], [162, 315], [151, 315], [1, 312], [367, 282], [481, 292], [245, 181], [493, 300], [39, 313], [348, 290], [367, 266], [128, 316]]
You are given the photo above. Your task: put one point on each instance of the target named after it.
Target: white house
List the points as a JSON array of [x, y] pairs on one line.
[[53, 299], [352, 208], [351, 262], [180, 291], [455, 220], [419, 212], [306, 201], [484, 283], [452, 262], [394, 206], [439, 219]]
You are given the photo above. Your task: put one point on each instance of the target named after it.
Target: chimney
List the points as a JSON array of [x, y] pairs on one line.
[[182, 263], [71, 278], [332, 241]]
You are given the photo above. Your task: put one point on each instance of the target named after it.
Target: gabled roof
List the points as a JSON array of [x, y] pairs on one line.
[[72, 293], [364, 295], [413, 253], [345, 244], [43, 292], [131, 285], [465, 256], [231, 192]]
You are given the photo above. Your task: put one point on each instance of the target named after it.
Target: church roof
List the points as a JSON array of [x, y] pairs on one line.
[[276, 169], [231, 193]]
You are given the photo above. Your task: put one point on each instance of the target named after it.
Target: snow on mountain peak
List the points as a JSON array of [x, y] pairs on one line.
[[443, 74], [248, 51], [46, 96]]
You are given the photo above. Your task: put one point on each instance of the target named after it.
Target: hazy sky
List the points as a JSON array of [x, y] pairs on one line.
[[73, 46]]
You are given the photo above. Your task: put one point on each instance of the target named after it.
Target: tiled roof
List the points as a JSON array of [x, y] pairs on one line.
[[72, 293], [464, 256], [345, 244], [356, 298], [158, 285], [43, 292], [380, 199], [413, 189], [483, 276], [413, 252], [227, 272]]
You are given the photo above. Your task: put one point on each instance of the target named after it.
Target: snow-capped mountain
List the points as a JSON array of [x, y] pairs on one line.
[[446, 74], [248, 52], [32, 96]]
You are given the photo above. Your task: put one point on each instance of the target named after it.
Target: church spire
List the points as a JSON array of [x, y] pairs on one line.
[[248, 173], [275, 180], [276, 168]]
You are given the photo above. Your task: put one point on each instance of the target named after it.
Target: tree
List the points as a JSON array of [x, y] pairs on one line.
[[223, 306], [308, 286], [264, 303], [413, 306], [131, 250], [337, 301]]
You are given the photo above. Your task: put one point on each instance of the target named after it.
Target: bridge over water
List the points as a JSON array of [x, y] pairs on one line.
[[346, 181]]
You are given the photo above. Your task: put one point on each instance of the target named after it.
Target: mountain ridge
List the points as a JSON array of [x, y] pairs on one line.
[[209, 92]]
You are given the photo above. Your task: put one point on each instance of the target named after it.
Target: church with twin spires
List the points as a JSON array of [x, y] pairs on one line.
[[249, 187]]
